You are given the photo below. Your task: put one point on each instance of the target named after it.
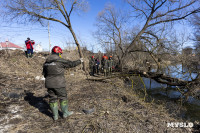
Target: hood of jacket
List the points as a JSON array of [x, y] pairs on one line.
[[52, 57]]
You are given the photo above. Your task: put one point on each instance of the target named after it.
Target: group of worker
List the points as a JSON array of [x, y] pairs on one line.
[[107, 65]]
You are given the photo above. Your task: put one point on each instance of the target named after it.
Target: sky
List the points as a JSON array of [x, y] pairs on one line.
[[83, 25]]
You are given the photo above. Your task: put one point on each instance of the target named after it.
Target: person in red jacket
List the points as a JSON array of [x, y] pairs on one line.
[[29, 45]]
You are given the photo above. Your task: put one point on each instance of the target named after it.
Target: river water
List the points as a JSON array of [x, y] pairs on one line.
[[171, 92]]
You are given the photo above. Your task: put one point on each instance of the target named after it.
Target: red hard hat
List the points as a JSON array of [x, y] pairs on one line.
[[57, 49], [105, 57]]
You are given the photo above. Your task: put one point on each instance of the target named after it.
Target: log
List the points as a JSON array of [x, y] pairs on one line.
[[161, 78]]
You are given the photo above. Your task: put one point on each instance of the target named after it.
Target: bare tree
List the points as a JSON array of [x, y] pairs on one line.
[[152, 37], [54, 10], [196, 52], [196, 23], [158, 12], [111, 31]]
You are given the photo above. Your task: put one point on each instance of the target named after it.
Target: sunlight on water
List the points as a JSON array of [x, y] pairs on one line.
[[171, 91], [179, 71]]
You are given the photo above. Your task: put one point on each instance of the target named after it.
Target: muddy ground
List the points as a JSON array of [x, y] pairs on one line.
[[115, 108]]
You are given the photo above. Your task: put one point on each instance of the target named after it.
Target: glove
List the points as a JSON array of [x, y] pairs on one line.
[[81, 59]]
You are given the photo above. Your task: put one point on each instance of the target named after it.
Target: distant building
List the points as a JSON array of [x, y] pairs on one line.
[[38, 48], [9, 45], [187, 51]]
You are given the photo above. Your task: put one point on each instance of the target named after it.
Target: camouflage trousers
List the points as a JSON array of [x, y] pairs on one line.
[[110, 70], [105, 72], [57, 94]]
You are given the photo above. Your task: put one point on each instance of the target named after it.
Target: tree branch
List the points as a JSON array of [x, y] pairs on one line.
[[62, 12], [72, 7], [174, 19]]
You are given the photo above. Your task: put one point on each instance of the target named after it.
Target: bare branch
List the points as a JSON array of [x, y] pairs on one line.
[[72, 7], [174, 19]]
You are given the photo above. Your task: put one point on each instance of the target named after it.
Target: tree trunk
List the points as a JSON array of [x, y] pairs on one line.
[[120, 64], [161, 78], [79, 48]]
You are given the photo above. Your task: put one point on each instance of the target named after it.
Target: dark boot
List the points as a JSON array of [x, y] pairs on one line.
[[54, 109], [64, 108]]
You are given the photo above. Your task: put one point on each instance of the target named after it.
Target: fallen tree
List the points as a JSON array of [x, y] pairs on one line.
[[164, 79]]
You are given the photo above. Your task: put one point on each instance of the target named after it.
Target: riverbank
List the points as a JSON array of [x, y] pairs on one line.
[[115, 108], [162, 92]]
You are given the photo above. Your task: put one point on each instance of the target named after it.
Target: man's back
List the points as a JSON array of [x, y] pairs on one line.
[[53, 70]]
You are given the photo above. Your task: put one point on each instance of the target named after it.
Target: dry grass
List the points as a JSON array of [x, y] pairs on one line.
[[117, 109]]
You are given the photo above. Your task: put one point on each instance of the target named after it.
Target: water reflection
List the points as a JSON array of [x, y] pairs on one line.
[[177, 71], [193, 101], [165, 91], [152, 84]]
